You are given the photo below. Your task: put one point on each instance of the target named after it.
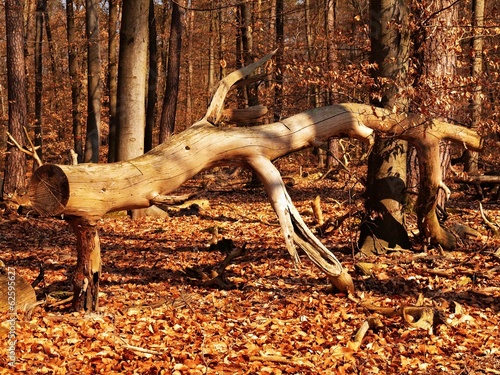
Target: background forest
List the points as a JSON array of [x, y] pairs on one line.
[[324, 59]]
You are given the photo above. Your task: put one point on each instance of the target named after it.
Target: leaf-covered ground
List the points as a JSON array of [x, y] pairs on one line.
[[157, 317]]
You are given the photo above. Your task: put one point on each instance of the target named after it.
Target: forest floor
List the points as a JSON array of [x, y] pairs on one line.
[[157, 317]]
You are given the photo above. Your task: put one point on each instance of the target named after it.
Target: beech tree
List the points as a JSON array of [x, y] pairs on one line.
[[132, 78], [386, 182], [113, 42], [472, 158], [93, 134], [41, 8], [167, 122], [76, 85]]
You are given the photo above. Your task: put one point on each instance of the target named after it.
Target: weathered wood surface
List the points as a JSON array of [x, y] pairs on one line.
[[89, 191]]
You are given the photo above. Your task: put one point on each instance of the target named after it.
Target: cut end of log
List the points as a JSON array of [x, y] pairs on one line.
[[49, 190]]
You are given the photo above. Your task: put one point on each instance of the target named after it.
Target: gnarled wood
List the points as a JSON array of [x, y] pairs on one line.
[[88, 264], [88, 191]]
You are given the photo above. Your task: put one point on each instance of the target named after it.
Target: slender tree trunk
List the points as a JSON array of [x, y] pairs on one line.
[[222, 45], [50, 41], [40, 9], [189, 68], [76, 86], [93, 134], [15, 164], [152, 80], [439, 68], [333, 66], [132, 68], [211, 54], [167, 123], [385, 195], [113, 38], [472, 158], [280, 45], [247, 50]]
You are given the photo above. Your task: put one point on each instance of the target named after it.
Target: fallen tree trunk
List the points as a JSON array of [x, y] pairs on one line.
[[88, 191]]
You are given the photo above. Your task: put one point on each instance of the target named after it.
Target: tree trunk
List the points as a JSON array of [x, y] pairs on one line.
[[434, 57], [88, 264], [76, 86], [211, 54], [167, 122], [152, 80], [93, 134], [189, 67], [132, 71], [50, 41], [14, 182], [385, 192], [472, 158], [112, 77], [333, 155], [40, 9], [250, 91], [280, 45]]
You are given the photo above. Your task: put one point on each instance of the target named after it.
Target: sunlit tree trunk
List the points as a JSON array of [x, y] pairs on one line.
[[172, 80], [435, 59], [250, 91], [189, 67], [472, 158], [152, 80], [309, 31], [50, 41], [113, 39], [14, 182], [76, 85], [93, 134], [280, 45], [167, 122], [211, 53], [132, 70], [333, 66], [40, 9], [386, 183]]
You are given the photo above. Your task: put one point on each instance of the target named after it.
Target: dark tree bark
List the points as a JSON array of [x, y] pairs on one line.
[[41, 7], [385, 194], [113, 38], [248, 93], [332, 62], [93, 134], [88, 264], [152, 80], [167, 122], [189, 67], [280, 45], [211, 51], [472, 158], [50, 41], [15, 164], [76, 85]]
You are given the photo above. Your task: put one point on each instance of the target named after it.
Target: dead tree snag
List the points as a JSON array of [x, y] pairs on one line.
[[88, 191]]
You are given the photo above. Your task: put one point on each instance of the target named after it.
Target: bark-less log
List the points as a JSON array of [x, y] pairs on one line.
[[84, 193]]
